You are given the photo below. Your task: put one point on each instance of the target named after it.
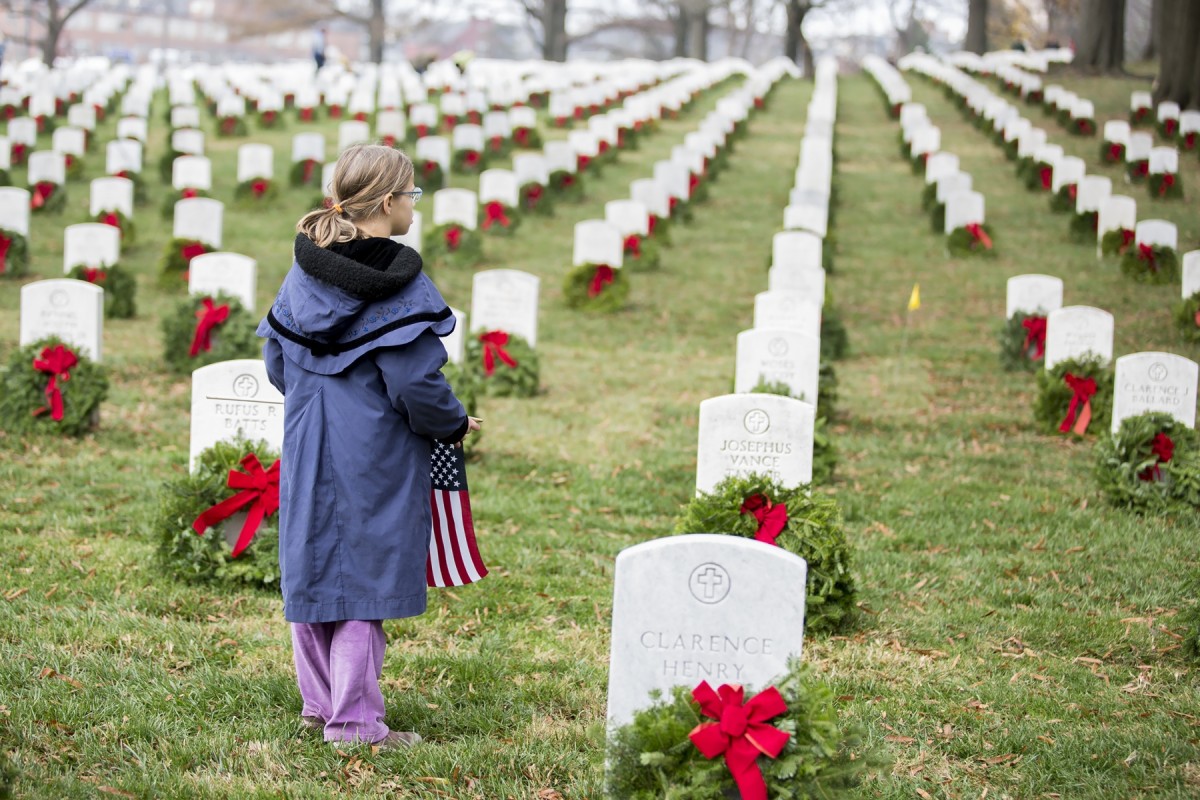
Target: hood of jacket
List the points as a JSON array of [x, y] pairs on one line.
[[332, 310]]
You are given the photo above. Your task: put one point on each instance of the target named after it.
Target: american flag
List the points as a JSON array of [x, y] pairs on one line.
[[454, 558]]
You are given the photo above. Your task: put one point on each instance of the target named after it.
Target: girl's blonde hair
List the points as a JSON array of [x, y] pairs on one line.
[[364, 175]]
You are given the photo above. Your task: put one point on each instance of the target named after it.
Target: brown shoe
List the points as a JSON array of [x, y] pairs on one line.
[[397, 740]]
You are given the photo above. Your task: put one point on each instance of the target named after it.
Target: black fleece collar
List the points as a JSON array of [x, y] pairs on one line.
[[357, 279]]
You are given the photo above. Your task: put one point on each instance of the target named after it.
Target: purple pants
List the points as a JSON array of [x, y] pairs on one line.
[[338, 665]]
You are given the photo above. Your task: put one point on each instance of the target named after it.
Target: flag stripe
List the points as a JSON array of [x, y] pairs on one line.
[[433, 568], [445, 534], [453, 534], [462, 542], [468, 525]]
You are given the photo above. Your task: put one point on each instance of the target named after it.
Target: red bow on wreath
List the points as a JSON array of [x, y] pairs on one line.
[[209, 316], [1084, 126], [228, 125], [1073, 191], [1146, 253], [309, 165], [741, 732], [1163, 449], [493, 348], [5, 243], [1127, 237], [41, 193], [522, 136], [1047, 177], [1116, 151], [430, 167], [454, 237], [94, 275], [112, 219], [493, 212], [533, 193], [1189, 140], [602, 277], [772, 518], [1035, 336], [471, 158], [191, 250], [497, 143], [188, 193], [633, 245], [1079, 413], [671, 205], [978, 234], [1141, 169], [306, 115], [259, 187], [582, 163], [1168, 180], [259, 490], [568, 180], [693, 183], [650, 227], [18, 152], [56, 362], [1169, 126]]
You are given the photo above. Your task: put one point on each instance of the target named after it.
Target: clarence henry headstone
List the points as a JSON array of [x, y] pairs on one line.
[[699, 607]]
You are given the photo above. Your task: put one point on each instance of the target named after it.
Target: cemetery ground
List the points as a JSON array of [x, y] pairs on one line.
[[1017, 638]]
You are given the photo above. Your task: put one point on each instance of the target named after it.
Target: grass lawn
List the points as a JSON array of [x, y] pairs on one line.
[[1018, 638]]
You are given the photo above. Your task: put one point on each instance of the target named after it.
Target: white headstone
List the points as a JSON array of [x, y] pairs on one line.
[[1075, 331], [779, 355], [353, 132], [1191, 272], [224, 273], [796, 249], [1139, 147], [191, 172], [1118, 212], [14, 210], [1033, 294], [560, 156], [653, 195], [455, 341], [71, 310], [499, 185], [963, 208], [1117, 131], [188, 141], [507, 300], [467, 137], [1155, 382], [807, 280], [23, 130], [69, 141], [701, 607], [939, 165], [90, 244], [47, 165], [531, 168], [123, 155], [459, 206], [1163, 160], [199, 218], [185, 117], [255, 161], [1069, 170], [1157, 232], [789, 311], [598, 242], [1139, 100], [1091, 192], [813, 218], [232, 399], [132, 128], [629, 217], [743, 434], [306, 146], [949, 185], [434, 148]]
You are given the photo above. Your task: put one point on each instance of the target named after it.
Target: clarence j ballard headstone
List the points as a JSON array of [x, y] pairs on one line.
[[1151, 381], [232, 399], [701, 607]]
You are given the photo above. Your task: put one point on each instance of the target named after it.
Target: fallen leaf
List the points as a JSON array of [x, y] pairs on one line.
[[900, 739], [114, 790]]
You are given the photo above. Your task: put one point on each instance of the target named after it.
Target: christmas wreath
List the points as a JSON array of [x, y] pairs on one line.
[[45, 124], [74, 166], [305, 172], [20, 151], [1063, 201], [124, 224], [1117, 242], [47, 197], [255, 191], [51, 386], [929, 196], [452, 244], [788, 744], [1147, 263], [498, 146], [499, 219], [825, 455], [203, 330], [1165, 185], [467, 162], [641, 253], [566, 186], [596, 287], [230, 477], [937, 216], [119, 285], [1023, 342], [1082, 126], [527, 138], [1112, 152], [231, 126], [660, 229], [174, 196], [969, 240], [681, 210], [14, 254], [1084, 225], [433, 177], [1187, 319], [535, 200], [798, 520], [306, 114], [1011, 149], [1152, 462], [1137, 171], [1075, 396], [503, 363], [1037, 174], [177, 255], [1140, 116], [1168, 128], [270, 119]]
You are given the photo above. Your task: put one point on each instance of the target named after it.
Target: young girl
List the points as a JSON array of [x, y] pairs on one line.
[[352, 343]]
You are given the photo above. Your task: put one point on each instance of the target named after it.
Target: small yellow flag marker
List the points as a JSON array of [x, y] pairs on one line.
[[914, 300]]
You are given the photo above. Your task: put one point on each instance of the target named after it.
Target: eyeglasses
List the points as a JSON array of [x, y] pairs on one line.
[[415, 194]]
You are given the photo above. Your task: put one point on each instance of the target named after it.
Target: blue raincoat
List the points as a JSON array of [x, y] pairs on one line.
[[354, 349]]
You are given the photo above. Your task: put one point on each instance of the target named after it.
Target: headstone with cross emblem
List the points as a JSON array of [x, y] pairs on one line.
[[709, 607], [744, 434], [232, 399], [506, 300], [71, 310], [1160, 382], [778, 356]]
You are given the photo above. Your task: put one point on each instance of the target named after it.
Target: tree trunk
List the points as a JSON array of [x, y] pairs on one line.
[[1152, 42], [977, 15], [702, 30], [1179, 58], [54, 30], [554, 30], [1102, 44], [682, 24], [795, 45], [375, 31]]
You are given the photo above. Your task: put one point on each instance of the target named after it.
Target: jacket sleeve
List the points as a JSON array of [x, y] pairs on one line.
[[273, 358], [418, 390]]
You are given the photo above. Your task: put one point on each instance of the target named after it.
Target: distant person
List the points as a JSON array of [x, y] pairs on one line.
[[319, 36]]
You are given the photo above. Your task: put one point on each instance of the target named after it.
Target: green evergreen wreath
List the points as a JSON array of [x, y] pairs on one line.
[[527, 138], [825, 454], [519, 381], [577, 290], [1011, 148], [1112, 152], [535, 199], [1139, 117], [435, 246], [652, 757], [468, 162], [245, 194], [233, 338], [296, 173], [23, 393], [1131, 474], [960, 243], [1187, 319], [1054, 396], [166, 164], [1162, 267], [16, 258], [496, 228], [174, 264], [813, 531], [271, 120], [566, 186], [124, 225], [1082, 126], [835, 342], [1190, 618], [187, 556], [1084, 226], [929, 196], [1063, 201], [1159, 190], [937, 217], [231, 125], [649, 256], [74, 166], [5, 178], [54, 204], [433, 177], [1014, 356], [1116, 243], [1137, 171], [120, 289], [466, 385]]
